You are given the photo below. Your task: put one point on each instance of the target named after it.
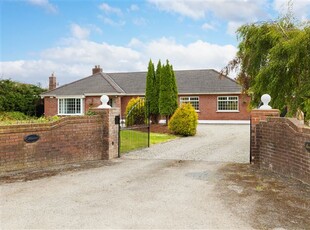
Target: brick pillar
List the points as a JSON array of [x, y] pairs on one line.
[[258, 115], [109, 131]]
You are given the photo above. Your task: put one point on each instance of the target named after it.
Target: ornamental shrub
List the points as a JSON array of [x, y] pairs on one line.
[[135, 112], [184, 121], [13, 116]]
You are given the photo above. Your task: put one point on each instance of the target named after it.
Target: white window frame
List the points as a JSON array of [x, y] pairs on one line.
[[187, 99], [71, 114], [227, 100]]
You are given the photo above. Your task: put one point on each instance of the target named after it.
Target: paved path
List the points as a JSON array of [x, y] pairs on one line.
[[215, 143]]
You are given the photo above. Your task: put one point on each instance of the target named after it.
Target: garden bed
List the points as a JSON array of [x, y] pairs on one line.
[[159, 128]]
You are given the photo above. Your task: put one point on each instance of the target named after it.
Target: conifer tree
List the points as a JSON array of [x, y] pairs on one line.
[[166, 93], [149, 90], [155, 106], [174, 90]]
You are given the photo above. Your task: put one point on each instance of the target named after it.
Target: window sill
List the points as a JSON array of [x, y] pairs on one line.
[[228, 111], [64, 114]]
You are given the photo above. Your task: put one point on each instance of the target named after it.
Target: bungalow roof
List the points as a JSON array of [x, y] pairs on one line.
[[205, 81]]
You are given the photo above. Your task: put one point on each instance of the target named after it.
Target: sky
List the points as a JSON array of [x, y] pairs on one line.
[[69, 37]]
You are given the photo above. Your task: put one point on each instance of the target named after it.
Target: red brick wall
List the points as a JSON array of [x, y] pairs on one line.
[[207, 104], [94, 102], [258, 115], [208, 108], [72, 139], [280, 146], [91, 102], [50, 106], [51, 109]]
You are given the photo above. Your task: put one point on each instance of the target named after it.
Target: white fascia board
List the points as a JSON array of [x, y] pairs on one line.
[[47, 95], [70, 96], [213, 93], [134, 94], [227, 122], [100, 94], [219, 122]]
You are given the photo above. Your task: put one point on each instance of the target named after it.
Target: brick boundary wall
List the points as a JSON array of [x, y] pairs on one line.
[[70, 140], [258, 115], [279, 144], [110, 132]]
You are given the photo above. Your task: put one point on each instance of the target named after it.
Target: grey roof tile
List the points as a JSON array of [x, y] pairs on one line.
[[99, 83], [189, 81], [204, 81]]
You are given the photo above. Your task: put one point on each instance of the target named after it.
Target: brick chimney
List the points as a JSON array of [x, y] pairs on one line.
[[97, 69], [52, 82]]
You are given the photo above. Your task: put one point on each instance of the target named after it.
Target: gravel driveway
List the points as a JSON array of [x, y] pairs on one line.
[[216, 143], [183, 184], [128, 194]]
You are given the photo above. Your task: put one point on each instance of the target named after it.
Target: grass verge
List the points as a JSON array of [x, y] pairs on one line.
[[131, 139]]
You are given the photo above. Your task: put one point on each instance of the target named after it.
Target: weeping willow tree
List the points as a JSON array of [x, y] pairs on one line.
[[274, 58]]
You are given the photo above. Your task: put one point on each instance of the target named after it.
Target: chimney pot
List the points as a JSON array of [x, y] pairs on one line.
[[97, 69]]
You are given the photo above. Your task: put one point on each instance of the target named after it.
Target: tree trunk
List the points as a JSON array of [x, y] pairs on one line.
[[167, 119]]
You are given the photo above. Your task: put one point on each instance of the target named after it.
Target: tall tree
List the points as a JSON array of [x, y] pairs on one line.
[[273, 57], [149, 90], [174, 94], [166, 93], [15, 96], [155, 108]]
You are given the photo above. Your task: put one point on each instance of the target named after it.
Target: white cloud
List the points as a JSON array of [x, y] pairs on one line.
[[139, 21], [232, 12], [76, 59], [300, 8], [207, 26], [44, 4], [192, 9], [240, 10], [226, 9], [109, 9], [112, 22], [232, 27], [79, 32], [133, 7], [196, 55], [135, 43], [95, 28]]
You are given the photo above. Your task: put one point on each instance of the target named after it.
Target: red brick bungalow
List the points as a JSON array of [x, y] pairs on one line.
[[214, 97]]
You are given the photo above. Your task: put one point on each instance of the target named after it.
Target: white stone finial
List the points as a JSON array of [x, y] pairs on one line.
[[265, 99], [104, 102]]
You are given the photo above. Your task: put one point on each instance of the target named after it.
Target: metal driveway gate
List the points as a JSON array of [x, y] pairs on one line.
[[134, 128]]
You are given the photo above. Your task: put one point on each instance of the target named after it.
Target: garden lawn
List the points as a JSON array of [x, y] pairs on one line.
[[131, 139]]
